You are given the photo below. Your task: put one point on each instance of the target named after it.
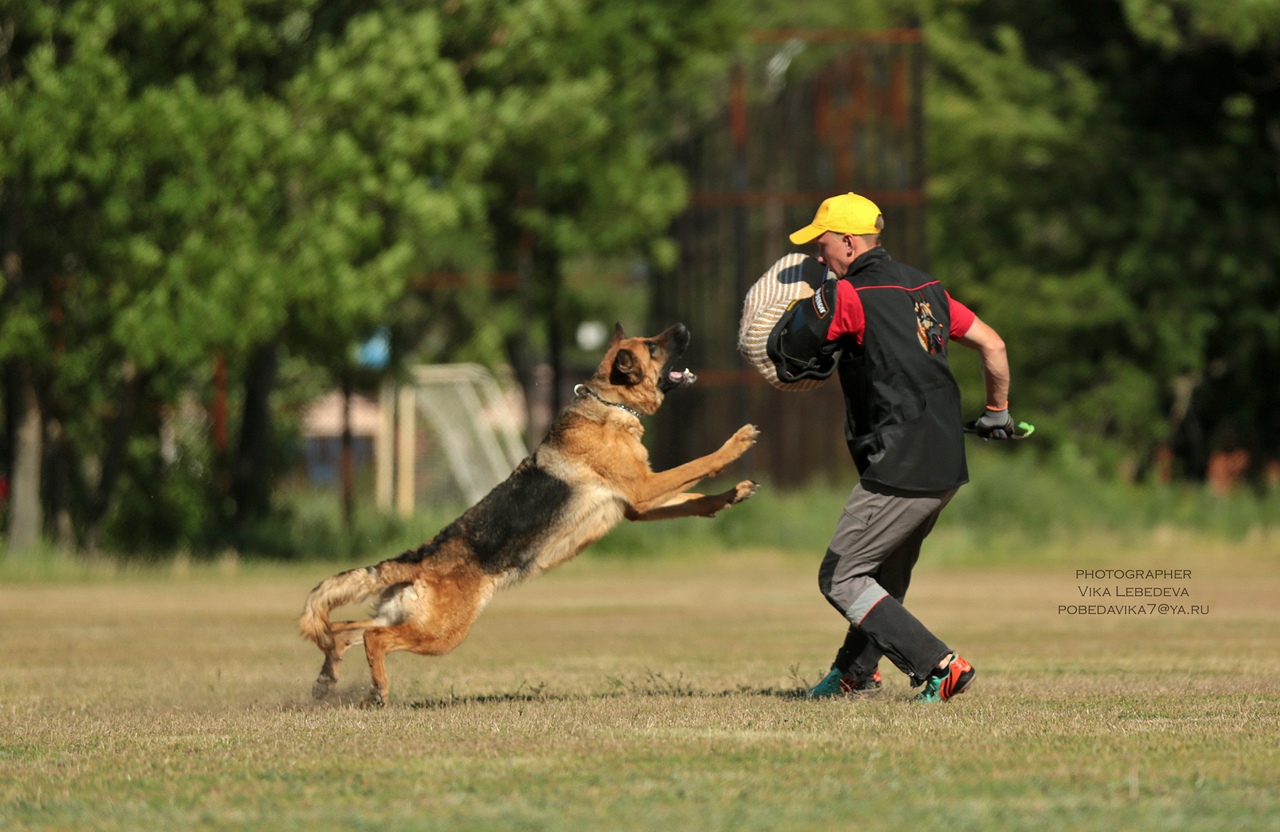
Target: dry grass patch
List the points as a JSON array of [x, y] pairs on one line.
[[639, 695]]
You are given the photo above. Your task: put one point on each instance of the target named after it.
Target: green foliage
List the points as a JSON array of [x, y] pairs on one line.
[[308, 526], [390, 165], [209, 204], [1176, 25], [1017, 508], [260, 177], [180, 180], [161, 509], [581, 98], [1104, 188], [1015, 504]]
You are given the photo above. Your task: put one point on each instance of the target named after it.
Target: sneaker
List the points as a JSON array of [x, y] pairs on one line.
[[836, 683], [954, 680]]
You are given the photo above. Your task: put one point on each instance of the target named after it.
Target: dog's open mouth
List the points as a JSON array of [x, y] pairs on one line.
[[679, 378], [674, 341]]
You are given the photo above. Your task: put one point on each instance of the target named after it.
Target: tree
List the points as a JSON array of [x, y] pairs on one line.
[[1103, 189], [201, 207], [1105, 182], [583, 97], [247, 180]]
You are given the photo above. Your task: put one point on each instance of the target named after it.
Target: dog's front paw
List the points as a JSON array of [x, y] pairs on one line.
[[745, 437], [744, 490]]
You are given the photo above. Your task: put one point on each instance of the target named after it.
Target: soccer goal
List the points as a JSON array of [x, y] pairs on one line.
[[451, 435]]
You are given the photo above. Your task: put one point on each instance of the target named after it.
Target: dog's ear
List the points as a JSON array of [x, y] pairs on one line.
[[618, 334], [626, 369]]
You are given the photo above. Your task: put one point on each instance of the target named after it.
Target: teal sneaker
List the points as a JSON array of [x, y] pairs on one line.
[[836, 683], [954, 680]]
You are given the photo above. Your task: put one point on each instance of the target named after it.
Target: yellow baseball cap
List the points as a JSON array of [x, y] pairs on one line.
[[843, 214]]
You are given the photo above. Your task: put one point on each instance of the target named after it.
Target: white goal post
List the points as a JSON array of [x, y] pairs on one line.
[[452, 433]]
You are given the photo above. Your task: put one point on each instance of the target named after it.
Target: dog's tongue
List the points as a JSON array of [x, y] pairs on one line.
[[682, 378]]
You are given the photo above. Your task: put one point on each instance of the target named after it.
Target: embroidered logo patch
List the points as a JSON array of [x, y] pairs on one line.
[[928, 328]]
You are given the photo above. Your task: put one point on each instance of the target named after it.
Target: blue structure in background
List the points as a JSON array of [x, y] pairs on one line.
[[322, 456], [376, 352]]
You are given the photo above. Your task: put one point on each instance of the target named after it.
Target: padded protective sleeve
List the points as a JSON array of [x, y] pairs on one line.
[[798, 344]]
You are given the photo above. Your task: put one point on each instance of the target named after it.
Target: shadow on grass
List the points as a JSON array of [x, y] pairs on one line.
[[655, 686], [354, 697]]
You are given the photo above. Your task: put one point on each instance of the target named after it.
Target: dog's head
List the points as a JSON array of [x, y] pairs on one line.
[[639, 371]]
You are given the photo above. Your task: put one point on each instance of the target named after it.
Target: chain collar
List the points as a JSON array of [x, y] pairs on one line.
[[582, 388]]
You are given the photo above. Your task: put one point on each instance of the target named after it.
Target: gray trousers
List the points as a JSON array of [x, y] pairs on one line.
[[873, 550]]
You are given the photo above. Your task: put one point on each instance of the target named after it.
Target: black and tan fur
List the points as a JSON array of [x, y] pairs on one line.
[[589, 473]]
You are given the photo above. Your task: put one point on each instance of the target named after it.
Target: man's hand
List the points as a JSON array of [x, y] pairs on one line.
[[998, 424]]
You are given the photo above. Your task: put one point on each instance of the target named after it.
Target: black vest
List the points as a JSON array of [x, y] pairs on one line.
[[902, 405]]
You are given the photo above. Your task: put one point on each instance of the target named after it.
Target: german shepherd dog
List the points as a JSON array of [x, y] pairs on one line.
[[589, 473]]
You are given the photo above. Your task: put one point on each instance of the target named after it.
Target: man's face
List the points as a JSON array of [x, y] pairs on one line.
[[835, 251]]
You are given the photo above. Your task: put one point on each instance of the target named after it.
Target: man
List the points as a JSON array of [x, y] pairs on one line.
[[891, 324]]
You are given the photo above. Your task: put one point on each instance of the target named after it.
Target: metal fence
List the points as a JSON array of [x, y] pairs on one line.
[[810, 114]]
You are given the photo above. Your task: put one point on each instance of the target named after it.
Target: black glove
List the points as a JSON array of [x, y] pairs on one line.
[[994, 424]]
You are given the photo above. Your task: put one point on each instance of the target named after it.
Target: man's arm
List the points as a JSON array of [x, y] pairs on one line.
[[995, 362]]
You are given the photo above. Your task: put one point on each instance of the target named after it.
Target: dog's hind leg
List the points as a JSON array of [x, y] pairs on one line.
[[345, 634], [379, 641], [440, 625]]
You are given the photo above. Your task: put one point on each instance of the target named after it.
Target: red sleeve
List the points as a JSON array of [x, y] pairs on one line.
[[961, 318], [849, 319]]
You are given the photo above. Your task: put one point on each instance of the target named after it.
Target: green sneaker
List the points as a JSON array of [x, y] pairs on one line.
[[836, 683], [954, 680]]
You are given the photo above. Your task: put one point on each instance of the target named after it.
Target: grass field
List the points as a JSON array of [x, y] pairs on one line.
[[655, 694]]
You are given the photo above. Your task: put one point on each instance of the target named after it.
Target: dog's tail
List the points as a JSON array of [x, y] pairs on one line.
[[343, 588]]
